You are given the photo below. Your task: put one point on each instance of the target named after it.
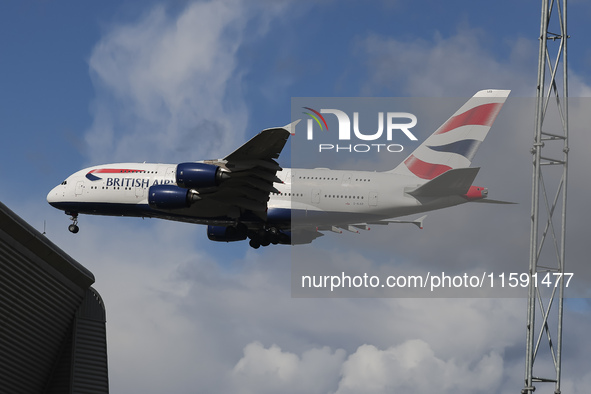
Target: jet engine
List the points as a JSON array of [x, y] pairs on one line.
[[171, 197], [199, 175]]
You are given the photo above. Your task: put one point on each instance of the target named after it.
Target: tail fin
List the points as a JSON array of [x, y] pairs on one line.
[[455, 142]]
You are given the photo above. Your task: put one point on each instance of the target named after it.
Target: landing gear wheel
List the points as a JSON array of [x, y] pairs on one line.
[[254, 244], [74, 226]]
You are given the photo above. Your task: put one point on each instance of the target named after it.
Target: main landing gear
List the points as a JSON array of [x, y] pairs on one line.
[[74, 226], [267, 236]]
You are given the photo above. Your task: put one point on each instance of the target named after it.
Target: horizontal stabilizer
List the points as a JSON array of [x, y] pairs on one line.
[[452, 182], [488, 201]]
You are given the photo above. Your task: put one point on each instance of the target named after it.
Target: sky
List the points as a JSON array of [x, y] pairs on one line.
[[122, 81]]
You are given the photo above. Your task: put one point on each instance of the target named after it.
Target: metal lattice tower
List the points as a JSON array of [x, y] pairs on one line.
[[548, 210]]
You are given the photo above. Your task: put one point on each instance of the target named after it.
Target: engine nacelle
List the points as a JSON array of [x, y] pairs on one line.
[[171, 197], [226, 234], [199, 175]]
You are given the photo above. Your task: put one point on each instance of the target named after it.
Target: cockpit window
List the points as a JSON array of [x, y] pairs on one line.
[[64, 182]]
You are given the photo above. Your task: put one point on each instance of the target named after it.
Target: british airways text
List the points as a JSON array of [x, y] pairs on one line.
[[136, 182]]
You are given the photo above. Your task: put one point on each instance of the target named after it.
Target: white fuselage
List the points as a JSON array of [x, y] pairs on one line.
[[317, 197]]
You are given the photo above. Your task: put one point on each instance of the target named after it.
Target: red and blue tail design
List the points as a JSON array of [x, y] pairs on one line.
[[454, 143]]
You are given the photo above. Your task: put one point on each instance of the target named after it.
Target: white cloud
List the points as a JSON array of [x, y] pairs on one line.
[[411, 366], [448, 66], [456, 66], [168, 86], [414, 367], [271, 370]]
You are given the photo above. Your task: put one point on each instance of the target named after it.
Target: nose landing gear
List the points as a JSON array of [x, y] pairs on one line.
[[74, 226]]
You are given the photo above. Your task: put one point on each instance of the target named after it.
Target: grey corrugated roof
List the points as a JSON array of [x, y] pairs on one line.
[[25, 235], [42, 290]]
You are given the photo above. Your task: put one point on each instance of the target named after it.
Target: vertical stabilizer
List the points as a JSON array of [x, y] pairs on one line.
[[455, 142]]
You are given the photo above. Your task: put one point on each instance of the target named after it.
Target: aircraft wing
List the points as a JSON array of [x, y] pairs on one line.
[[252, 171], [265, 146]]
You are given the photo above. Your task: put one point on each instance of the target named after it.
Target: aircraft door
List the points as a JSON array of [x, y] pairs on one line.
[[346, 179], [315, 196], [79, 187], [373, 199]]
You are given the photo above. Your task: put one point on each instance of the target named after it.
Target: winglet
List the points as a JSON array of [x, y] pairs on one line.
[[291, 127]]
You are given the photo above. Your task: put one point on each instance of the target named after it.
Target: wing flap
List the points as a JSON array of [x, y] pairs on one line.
[[417, 222], [354, 228]]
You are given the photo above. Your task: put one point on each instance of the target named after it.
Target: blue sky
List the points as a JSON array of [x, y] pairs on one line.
[[88, 83], [310, 49]]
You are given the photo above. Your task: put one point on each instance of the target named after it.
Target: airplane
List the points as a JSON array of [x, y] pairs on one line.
[[248, 195]]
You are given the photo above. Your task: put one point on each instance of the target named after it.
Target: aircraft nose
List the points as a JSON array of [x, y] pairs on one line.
[[54, 195]]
